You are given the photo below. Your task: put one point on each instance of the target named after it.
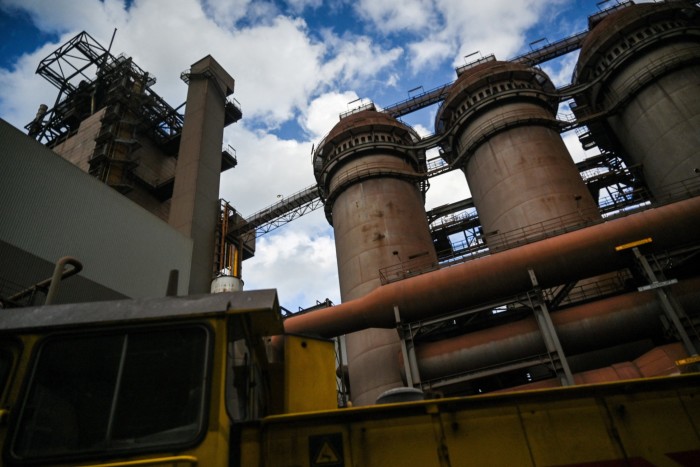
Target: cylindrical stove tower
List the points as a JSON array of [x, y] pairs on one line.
[[369, 175], [500, 119], [641, 70]]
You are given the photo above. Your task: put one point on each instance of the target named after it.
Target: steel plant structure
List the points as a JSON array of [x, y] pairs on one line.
[[554, 286], [552, 281]]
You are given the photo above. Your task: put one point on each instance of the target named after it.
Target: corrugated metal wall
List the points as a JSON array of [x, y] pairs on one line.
[[50, 208]]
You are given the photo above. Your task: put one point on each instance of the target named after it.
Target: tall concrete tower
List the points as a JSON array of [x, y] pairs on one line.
[[369, 177], [500, 121], [641, 70], [195, 204]]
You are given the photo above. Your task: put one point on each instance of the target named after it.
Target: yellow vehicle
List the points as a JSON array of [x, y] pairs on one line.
[[187, 381]]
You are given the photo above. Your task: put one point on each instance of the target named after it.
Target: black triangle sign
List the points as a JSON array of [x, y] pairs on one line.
[[326, 450]]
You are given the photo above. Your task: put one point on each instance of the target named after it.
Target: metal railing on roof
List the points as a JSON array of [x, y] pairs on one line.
[[597, 17], [419, 101], [368, 106], [470, 65]]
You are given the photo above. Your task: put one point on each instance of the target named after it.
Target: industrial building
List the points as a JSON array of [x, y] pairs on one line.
[[109, 123], [552, 273]]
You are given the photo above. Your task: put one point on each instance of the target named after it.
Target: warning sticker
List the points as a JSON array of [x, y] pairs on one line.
[[326, 450]]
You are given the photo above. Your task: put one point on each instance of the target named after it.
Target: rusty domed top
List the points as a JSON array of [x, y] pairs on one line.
[[618, 24], [492, 70], [365, 119], [484, 74]]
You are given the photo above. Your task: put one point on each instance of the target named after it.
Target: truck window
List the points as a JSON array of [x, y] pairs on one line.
[[117, 392]]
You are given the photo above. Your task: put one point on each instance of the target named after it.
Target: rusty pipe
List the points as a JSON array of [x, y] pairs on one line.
[[664, 365], [566, 258], [600, 324]]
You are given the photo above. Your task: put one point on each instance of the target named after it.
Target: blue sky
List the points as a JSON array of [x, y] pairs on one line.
[[297, 65]]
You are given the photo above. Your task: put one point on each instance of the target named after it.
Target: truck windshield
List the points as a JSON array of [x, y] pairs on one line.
[[113, 393]]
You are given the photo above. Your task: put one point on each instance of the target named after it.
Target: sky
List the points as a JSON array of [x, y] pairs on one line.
[[298, 64]]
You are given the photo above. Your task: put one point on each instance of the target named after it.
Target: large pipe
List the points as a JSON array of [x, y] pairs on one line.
[[600, 324], [566, 258], [663, 358]]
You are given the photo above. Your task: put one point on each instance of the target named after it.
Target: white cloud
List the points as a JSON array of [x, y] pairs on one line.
[[393, 80], [226, 13], [323, 112], [23, 90], [447, 188], [495, 26], [301, 266], [561, 70], [428, 52], [297, 6], [356, 58], [298, 259], [277, 68], [423, 132], [267, 167], [397, 15], [60, 16], [277, 65]]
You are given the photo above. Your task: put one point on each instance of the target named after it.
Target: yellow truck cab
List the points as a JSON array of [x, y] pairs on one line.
[[134, 382]]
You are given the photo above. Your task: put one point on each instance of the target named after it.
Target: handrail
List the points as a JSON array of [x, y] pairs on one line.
[[58, 275]]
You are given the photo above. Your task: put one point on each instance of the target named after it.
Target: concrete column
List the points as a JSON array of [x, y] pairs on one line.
[[195, 203]]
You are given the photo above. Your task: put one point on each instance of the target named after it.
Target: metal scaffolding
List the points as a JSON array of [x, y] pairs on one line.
[[86, 75]]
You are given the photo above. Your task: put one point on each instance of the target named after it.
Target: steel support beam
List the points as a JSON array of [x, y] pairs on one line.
[[408, 350], [549, 333], [672, 309]]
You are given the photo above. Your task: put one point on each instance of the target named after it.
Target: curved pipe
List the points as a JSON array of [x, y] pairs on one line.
[[566, 258], [600, 324], [59, 273]]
